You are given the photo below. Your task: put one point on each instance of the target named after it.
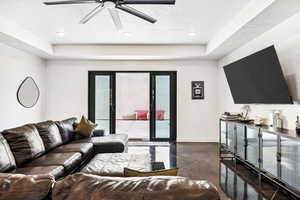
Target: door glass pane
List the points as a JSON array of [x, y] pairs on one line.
[[132, 105], [269, 151], [223, 133], [240, 137], [230, 133], [290, 162], [162, 113], [102, 102], [252, 148]]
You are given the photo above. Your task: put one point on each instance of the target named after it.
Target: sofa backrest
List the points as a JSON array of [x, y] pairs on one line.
[[66, 129], [25, 143], [7, 160], [50, 134]]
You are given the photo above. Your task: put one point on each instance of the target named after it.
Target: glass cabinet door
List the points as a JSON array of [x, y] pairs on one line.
[[290, 162], [240, 140], [252, 148], [269, 153], [231, 136], [223, 132]]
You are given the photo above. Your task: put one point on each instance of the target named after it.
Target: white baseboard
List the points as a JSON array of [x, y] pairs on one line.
[[197, 140]]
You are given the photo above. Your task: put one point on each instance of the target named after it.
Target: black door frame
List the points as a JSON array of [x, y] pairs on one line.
[[112, 97], [173, 100]]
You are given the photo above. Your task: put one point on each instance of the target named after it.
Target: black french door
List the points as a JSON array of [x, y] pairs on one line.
[[163, 98], [162, 102], [105, 112]]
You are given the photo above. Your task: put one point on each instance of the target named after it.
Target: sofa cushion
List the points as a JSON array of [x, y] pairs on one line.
[[87, 187], [84, 148], [49, 134], [66, 129], [55, 171], [25, 187], [69, 160], [85, 127], [25, 143], [7, 160]]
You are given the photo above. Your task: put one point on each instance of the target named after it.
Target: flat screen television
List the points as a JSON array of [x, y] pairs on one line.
[[258, 79]]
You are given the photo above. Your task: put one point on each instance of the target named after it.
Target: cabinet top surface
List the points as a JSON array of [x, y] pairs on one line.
[[269, 129]]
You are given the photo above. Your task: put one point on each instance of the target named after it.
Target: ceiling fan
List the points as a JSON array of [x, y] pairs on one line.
[[113, 6]]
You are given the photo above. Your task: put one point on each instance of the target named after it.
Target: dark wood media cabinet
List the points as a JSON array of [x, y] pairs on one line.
[[273, 154]]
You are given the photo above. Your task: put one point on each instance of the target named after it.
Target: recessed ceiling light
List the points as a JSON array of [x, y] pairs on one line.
[[128, 34], [60, 33], [192, 34]]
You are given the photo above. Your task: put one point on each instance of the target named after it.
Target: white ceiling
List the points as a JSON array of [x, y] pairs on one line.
[[204, 17]]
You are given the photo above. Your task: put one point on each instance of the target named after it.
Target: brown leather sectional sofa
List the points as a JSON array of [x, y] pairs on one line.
[[49, 148], [37, 160]]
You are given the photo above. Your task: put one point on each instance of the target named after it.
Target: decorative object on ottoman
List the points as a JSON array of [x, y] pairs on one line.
[[82, 186], [129, 117], [25, 187], [113, 164], [157, 166], [142, 114], [85, 127], [135, 173]]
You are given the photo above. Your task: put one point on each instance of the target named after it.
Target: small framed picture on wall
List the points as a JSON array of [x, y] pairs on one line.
[[197, 90]]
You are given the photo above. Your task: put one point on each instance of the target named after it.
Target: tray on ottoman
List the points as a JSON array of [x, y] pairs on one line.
[[113, 164]]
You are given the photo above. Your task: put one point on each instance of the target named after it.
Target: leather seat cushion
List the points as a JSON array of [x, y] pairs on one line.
[[69, 160], [114, 143], [113, 164], [7, 160], [66, 129], [25, 187], [55, 171], [50, 134], [84, 148], [25, 143], [82, 186]]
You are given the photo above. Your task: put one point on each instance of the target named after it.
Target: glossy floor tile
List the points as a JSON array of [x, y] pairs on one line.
[[200, 161]]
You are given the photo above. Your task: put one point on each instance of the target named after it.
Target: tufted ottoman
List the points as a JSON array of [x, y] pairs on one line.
[[113, 164]]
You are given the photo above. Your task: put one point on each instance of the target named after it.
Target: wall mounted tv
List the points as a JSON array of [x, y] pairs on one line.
[[258, 79]]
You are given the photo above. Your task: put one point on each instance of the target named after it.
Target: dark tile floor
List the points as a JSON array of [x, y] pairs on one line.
[[201, 161]]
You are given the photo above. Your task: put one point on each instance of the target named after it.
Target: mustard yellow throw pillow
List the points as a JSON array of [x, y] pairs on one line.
[[135, 173], [85, 127]]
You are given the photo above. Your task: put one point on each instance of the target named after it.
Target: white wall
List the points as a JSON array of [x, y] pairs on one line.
[[286, 39], [15, 66], [67, 92]]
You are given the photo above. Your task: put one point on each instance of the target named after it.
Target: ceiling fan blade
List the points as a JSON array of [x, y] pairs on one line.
[[136, 13], [69, 2], [91, 14], [116, 18], [170, 2]]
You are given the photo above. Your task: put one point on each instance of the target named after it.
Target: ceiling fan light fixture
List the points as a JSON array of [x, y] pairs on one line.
[[109, 4]]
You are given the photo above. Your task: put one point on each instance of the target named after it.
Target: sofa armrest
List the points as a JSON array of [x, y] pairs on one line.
[[99, 133], [25, 187]]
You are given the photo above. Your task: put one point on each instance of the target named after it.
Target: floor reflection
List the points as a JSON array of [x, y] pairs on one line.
[[240, 183]]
